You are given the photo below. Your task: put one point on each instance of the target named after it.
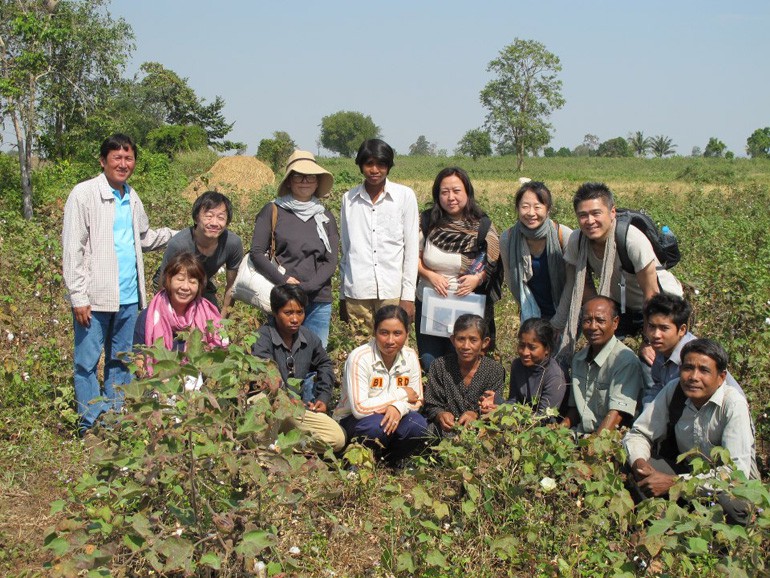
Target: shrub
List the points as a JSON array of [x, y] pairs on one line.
[[190, 481], [173, 138]]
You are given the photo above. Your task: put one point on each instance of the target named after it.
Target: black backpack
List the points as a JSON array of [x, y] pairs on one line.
[[664, 244], [493, 287], [668, 449]]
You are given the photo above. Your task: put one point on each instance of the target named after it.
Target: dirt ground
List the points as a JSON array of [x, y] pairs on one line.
[[33, 473]]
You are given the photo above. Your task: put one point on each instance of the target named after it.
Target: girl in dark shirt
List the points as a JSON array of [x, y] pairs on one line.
[[537, 379]]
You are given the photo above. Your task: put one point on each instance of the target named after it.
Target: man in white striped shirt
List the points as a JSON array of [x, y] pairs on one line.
[[105, 231]]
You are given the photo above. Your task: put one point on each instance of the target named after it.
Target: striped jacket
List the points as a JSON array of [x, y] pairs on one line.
[[89, 260], [369, 387]]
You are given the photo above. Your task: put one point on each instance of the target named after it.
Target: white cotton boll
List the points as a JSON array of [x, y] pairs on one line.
[[548, 484], [294, 551]]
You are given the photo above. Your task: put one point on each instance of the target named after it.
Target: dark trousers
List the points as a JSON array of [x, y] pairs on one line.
[[736, 511], [409, 435]]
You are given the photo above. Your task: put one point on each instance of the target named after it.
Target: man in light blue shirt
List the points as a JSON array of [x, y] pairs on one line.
[[708, 413], [104, 233]]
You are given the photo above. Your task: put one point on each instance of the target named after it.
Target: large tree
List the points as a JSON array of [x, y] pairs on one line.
[[475, 143], [422, 147], [54, 57], [521, 97], [614, 147], [758, 144], [662, 146], [344, 131], [166, 91], [277, 150]]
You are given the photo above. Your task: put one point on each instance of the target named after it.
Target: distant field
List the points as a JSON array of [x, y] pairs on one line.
[[578, 169], [632, 179]]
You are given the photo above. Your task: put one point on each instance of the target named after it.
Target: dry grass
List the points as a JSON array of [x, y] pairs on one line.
[[239, 177]]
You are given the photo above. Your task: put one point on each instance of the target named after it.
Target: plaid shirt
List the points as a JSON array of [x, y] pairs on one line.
[[89, 260]]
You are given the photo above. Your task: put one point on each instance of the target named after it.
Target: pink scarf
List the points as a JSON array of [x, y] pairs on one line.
[[163, 321]]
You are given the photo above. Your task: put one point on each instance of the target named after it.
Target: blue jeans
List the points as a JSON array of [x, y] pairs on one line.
[[112, 332], [317, 319]]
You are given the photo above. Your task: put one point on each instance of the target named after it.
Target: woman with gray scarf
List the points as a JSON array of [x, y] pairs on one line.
[[306, 238], [532, 253]]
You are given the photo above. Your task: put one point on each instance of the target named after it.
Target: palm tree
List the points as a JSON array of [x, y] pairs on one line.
[[662, 146], [639, 143]]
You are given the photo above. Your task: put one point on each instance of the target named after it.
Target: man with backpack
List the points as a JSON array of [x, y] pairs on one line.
[[697, 411], [626, 267]]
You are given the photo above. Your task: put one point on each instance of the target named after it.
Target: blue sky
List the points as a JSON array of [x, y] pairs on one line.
[[686, 69]]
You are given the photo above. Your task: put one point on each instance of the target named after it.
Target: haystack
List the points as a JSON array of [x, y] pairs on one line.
[[238, 177]]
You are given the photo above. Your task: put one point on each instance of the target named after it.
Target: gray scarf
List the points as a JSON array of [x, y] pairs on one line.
[[519, 260], [312, 209]]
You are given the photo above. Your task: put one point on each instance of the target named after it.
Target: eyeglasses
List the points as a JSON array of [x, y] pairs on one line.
[[298, 178], [290, 365]]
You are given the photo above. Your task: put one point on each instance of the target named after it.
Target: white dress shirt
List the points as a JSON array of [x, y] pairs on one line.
[[724, 420], [379, 243]]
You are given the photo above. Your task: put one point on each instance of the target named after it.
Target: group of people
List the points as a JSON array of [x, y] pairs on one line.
[[393, 261]]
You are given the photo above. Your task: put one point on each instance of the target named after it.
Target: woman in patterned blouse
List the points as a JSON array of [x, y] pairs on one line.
[[458, 380]]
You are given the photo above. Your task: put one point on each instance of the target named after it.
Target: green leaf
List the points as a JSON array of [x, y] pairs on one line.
[[211, 560], [56, 544], [436, 558], [405, 563], [253, 422], [502, 547], [468, 507], [697, 545], [178, 553], [441, 509], [57, 507], [133, 542], [421, 497], [254, 542]]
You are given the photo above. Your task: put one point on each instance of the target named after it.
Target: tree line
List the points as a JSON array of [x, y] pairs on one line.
[[62, 89]]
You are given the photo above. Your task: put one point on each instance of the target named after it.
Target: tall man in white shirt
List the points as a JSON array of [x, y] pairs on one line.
[[379, 225], [104, 233]]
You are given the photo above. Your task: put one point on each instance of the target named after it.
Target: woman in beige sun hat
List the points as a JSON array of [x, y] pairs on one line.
[[306, 238]]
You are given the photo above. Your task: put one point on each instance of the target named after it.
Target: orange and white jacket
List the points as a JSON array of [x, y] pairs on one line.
[[369, 387]]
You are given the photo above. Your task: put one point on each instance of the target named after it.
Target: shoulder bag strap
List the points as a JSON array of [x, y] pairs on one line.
[[272, 232]]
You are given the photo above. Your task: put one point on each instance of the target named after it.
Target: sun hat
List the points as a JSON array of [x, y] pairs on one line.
[[304, 162]]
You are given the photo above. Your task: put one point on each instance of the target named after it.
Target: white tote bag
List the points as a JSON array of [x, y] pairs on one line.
[[250, 285]]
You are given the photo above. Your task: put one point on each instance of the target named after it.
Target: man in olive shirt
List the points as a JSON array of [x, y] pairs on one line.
[[607, 377]]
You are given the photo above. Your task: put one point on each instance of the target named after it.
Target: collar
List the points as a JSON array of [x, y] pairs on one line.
[[676, 355], [717, 399], [378, 363], [108, 193], [277, 340], [360, 191], [601, 357]]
